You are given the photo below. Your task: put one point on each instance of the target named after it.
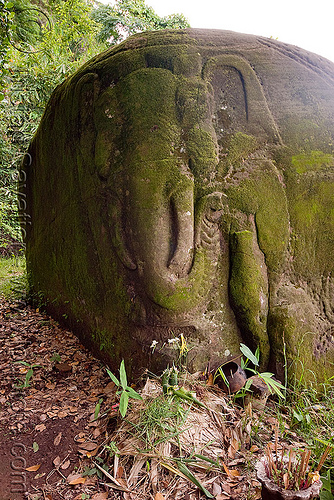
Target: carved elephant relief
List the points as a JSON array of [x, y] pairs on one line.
[[182, 182]]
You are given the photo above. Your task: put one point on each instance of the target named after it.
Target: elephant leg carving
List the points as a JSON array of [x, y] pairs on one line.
[[248, 288]]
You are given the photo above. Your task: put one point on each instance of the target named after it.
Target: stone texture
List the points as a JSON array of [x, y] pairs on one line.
[[183, 182]]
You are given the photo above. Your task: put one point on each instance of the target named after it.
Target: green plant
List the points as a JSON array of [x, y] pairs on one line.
[[112, 449], [220, 373], [273, 385], [27, 380], [301, 415], [124, 391], [326, 492], [160, 421], [170, 386], [309, 411], [97, 408], [55, 358]]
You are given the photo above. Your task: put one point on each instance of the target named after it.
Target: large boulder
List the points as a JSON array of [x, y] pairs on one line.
[[183, 182]]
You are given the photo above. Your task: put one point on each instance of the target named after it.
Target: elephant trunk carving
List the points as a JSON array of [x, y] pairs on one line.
[[169, 240]]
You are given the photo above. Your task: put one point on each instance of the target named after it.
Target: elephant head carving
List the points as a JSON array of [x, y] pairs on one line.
[[172, 181]]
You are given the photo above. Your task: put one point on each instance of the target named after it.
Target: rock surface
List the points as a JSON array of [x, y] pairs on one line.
[[183, 182]]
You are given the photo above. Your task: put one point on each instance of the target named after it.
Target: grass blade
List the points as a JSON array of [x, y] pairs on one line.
[[186, 472]]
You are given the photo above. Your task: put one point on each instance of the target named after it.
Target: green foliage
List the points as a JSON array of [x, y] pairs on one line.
[[55, 358], [26, 382], [39, 48], [97, 408], [12, 278], [21, 26], [128, 17], [161, 419], [124, 391], [63, 39], [309, 411], [273, 385], [326, 492], [112, 449], [253, 358], [184, 470]]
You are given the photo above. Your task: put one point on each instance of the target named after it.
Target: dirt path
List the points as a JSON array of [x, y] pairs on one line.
[[46, 420]]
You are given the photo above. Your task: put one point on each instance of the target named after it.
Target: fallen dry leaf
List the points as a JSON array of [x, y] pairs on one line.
[[231, 472], [159, 496], [89, 446], [96, 433], [33, 468], [65, 465], [63, 367], [50, 385], [100, 496], [57, 461], [76, 479], [254, 448], [227, 488], [57, 439], [109, 388], [210, 382], [272, 421], [62, 414], [237, 461], [120, 472], [92, 453], [40, 427], [216, 489]]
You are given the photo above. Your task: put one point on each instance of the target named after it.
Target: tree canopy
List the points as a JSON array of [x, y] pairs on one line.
[[128, 17]]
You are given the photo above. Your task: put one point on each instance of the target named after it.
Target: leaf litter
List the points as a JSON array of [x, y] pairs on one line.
[[164, 448]]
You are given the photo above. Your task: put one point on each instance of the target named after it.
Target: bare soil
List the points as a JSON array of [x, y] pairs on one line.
[[44, 425]]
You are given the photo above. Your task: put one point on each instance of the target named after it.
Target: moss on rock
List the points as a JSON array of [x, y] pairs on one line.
[[183, 182]]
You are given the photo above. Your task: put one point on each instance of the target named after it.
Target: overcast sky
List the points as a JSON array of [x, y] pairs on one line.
[[308, 24]]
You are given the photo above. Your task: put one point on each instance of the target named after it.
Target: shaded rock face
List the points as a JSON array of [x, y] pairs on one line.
[[183, 182]]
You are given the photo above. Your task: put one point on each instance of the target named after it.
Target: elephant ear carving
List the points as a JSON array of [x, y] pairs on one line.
[[249, 110]]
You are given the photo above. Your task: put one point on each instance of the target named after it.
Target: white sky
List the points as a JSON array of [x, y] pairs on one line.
[[306, 23]]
